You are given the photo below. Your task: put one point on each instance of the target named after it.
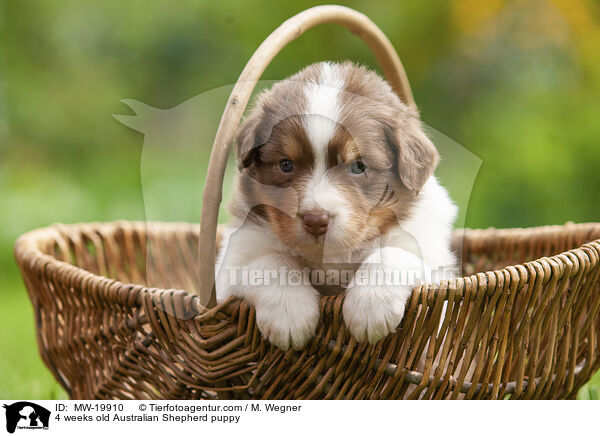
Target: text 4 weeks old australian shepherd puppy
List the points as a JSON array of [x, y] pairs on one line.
[[335, 176]]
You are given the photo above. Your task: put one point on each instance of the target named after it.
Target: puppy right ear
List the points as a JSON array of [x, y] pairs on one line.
[[248, 141], [416, 154]]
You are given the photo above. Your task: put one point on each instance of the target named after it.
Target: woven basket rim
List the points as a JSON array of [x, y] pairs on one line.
[[27, 249]]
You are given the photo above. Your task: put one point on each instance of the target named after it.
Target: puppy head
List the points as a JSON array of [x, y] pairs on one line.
[[332, 157]]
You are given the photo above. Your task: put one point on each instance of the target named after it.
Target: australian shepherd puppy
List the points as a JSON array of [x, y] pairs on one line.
[[335, 194]]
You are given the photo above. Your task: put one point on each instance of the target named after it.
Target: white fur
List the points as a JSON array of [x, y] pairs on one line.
[[373, 310], [285, 314], [320, 123], [321, 194], [431, 224], [323, 110]]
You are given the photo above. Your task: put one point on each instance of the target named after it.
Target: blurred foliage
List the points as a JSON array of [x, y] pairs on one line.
[[515, 82]]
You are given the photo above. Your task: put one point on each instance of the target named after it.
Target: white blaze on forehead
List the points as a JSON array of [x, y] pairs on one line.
[[321, 194], [320, 122], [322, 109]]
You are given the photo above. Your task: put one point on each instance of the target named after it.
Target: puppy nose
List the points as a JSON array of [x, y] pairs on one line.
[[316, 222]]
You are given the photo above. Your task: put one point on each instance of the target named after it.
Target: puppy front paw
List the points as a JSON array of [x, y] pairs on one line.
[[373, 312], [289, 319]]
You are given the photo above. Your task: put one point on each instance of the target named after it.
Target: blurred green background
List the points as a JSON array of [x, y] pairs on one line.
[[515, 82]]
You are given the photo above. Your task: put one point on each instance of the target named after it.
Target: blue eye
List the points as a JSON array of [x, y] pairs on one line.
[[286, 165], [357, 167]]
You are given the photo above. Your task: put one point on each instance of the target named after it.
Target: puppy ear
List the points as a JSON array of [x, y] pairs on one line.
[[248, 141], [416, 154]]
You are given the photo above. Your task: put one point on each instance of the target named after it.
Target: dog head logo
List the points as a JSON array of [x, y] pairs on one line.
[[26, 415]]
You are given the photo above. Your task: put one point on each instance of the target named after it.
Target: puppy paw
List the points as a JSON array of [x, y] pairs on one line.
[[289, 319], [373, 312]]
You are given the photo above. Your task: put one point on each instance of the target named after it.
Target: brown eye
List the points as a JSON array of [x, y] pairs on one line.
[[286, 165], [357, 167]]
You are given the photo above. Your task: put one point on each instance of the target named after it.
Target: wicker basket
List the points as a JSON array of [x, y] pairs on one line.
[[113, 320]]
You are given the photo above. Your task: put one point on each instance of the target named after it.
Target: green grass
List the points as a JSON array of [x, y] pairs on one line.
[[23, 375], [591, 390]]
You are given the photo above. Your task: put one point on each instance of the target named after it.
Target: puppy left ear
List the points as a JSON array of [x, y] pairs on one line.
[[417, 157], [247, 141]]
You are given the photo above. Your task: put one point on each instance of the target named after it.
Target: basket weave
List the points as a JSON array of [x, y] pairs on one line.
[[525, 331], [113, 320]]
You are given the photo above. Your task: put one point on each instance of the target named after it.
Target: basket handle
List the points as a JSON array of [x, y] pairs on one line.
[[288, 31]]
